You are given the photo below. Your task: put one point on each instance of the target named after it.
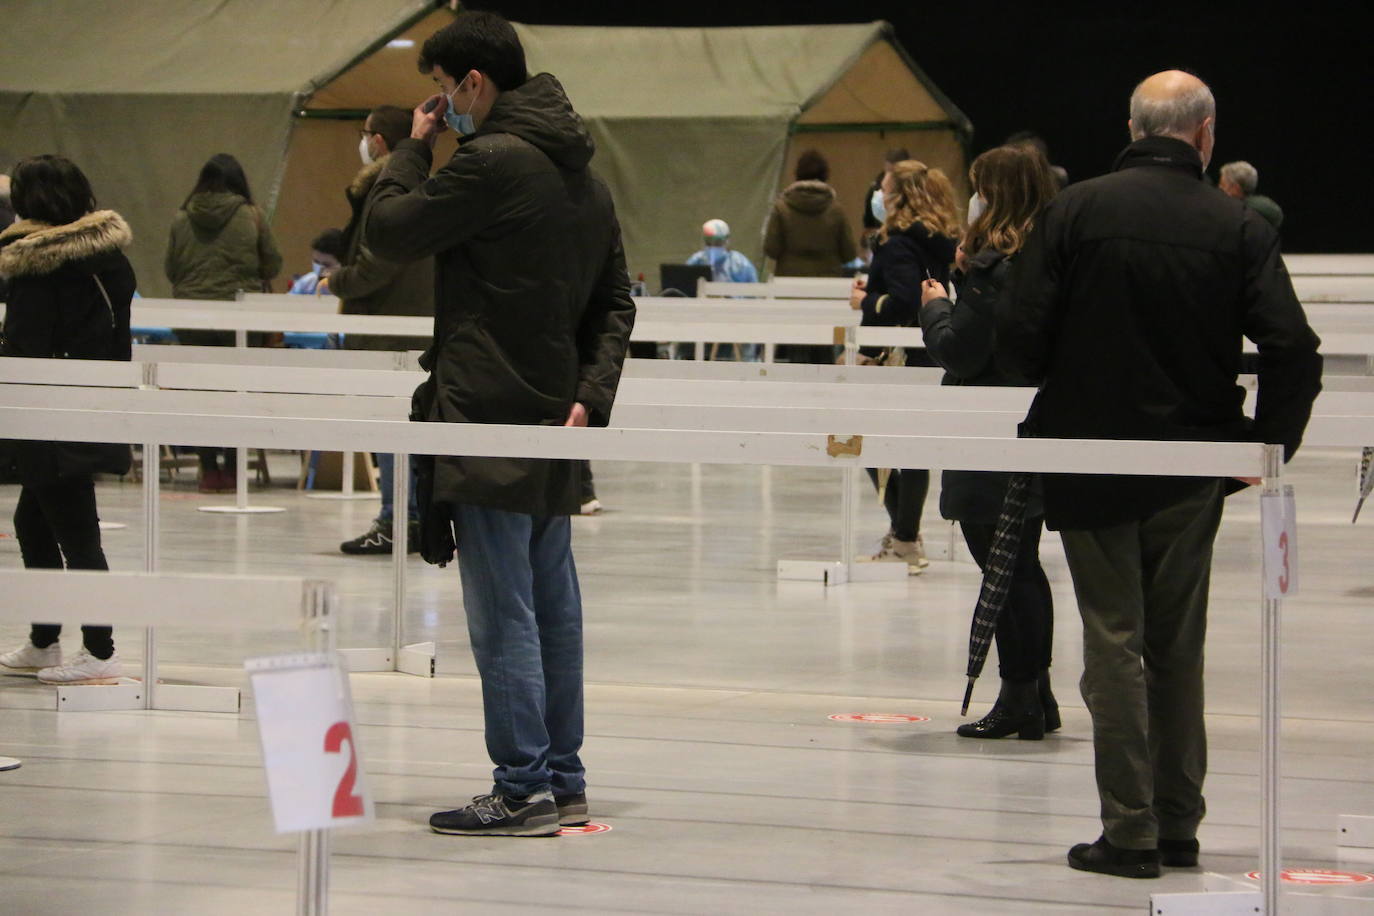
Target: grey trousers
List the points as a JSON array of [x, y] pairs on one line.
[[1142, 593]]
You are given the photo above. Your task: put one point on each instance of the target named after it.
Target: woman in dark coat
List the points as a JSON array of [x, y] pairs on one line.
[[70, 287], [1017, 184], [916, 241]]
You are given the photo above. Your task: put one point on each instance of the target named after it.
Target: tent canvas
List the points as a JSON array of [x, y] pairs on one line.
[[690, 124]]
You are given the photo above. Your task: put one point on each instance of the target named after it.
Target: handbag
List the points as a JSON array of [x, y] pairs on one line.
[[437, 541]]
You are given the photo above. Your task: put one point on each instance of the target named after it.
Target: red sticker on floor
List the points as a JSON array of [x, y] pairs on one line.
[[880, 718], [1320, 876], [585, 830]]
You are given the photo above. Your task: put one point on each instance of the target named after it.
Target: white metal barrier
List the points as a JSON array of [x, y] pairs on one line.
[[840, 449]]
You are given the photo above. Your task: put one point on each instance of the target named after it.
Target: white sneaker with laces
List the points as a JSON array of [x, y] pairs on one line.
[[29, 658], [592, 507], [85, 668], [894, 550]]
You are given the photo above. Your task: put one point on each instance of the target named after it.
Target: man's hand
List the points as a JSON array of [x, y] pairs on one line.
[[577, 416], [857, 293], [932, 289], [322, 287], [427, 125]]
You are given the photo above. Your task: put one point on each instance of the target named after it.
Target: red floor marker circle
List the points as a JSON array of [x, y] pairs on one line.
[[585, 830], [877, 718], [1323, 877]]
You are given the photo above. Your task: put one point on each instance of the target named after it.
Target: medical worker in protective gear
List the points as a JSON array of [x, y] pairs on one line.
[[727, 265]]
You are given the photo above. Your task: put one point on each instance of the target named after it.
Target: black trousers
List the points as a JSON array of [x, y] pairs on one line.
[[904, 499], [1025, 629], [56, 523]]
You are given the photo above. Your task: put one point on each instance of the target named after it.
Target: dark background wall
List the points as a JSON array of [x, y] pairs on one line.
[[1293, 86]]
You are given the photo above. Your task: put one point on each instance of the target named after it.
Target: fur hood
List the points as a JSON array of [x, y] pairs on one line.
[[366, 178], [31, 248], [808, 196]]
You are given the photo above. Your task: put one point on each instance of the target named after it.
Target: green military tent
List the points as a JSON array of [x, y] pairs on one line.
[[690, 124]]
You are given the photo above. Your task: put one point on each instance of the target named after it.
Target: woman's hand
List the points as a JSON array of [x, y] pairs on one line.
[[932, 289], [857, 293]]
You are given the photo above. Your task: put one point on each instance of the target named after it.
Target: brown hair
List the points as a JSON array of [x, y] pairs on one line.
[[923, 195], [811, 166], [1016, 182]]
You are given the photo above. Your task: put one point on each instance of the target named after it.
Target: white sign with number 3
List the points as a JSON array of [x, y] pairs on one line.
[[305, 719], [1279, 521]]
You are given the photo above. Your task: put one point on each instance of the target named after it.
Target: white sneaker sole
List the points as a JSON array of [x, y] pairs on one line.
[[82, 682], [549, 828]]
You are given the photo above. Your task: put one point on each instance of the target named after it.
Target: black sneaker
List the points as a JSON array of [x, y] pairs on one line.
[[1106, 859], [501, 815], [572, 809], [376, 539], [1178, 853]]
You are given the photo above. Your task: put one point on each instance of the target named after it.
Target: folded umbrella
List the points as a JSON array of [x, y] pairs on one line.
[[997, 575]]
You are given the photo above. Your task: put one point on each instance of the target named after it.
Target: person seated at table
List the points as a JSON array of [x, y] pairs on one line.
[[727, 265], [70, 288], [326, 250]]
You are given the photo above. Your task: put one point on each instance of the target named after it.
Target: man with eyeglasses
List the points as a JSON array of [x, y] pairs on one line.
[[369, 285]]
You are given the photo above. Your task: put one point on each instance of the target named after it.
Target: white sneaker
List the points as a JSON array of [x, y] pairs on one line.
[[591, 507], [85, 668], [894, 550], [29, 658]]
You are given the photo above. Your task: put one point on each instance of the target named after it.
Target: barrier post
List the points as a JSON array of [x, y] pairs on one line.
[[400, 547], [1271, 847], [312, 877], [152, 494]]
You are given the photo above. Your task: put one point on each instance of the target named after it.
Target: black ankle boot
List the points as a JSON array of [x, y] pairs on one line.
[[1017, 710], [1048, 702]]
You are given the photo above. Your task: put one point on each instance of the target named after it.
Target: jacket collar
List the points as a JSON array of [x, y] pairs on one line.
[[367, 176], [31, 248], [1165, 152]]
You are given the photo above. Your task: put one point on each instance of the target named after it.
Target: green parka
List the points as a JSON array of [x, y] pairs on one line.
[[220, 244]]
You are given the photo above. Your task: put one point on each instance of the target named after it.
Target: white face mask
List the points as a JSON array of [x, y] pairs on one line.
[[364, 152]]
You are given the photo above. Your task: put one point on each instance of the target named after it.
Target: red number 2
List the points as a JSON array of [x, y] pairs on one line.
[[346, 804], [1283, 576]]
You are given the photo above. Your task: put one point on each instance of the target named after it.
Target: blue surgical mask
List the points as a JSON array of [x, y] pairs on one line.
[[878, 206], [317, 268], [716, 255], [460, 124]]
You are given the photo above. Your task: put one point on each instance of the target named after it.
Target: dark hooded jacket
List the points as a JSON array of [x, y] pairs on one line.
[[220, 244], [70, 288], [961, 338], [1128, 307], [532, 301], [369, 285], [807, 233]]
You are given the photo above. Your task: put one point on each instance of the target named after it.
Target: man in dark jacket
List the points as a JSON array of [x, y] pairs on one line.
[[369, 285], [1129, 304], [532, 320]]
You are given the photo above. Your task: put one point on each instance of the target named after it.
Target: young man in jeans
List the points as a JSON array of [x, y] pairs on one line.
[[532, 320]]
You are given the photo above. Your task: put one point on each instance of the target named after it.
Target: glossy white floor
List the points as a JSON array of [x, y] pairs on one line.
[[709, 748]]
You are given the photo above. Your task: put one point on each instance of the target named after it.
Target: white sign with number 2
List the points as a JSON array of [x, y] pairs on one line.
[[305, 719], [1279, 521]]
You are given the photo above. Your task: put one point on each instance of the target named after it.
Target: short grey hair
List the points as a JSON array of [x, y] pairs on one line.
[[1243, 175], [1178, 116]]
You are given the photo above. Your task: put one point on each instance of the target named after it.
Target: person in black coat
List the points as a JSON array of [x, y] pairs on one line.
[[1016, 183], [916, 242], [70, 288], [532, 318], [1128, 307]]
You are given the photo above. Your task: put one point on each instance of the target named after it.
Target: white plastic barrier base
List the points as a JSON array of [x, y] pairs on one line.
[[1221, 903], [10, 763], [1355, 830], [417, 658]]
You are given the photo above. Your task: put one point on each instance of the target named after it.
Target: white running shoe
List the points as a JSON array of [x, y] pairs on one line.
[[85, 668], [592, 507], [894, 550], [28, 658]]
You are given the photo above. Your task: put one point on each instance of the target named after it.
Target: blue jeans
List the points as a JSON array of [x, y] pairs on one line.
[[524, 612], [386, 468]]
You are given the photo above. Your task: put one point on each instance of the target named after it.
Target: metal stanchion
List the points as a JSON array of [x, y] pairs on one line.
[[1271, 846]]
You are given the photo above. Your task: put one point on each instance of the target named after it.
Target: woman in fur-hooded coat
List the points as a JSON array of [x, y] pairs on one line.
[[69, 291]]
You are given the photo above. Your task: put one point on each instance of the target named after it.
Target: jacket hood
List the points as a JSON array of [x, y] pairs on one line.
[[31, 248], [362, 182], [808, 196], [539, 113], [212, 209], [1160, 151]]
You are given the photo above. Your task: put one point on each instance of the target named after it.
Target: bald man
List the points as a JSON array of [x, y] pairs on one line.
[[1127, 308]]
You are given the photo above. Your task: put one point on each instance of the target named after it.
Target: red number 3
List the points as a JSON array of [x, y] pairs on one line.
[[346, 804], [1283, 576]]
